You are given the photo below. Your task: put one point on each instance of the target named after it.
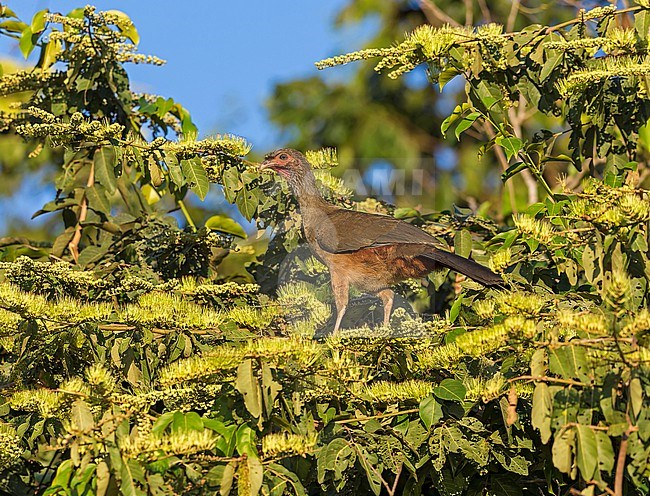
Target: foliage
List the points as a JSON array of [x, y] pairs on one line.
[[144, 376], [79, 98]]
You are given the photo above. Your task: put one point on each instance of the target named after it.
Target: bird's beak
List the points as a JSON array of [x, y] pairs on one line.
[[266, 165]]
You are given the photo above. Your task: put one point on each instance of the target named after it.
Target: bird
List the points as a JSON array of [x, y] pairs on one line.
[[371, 252]]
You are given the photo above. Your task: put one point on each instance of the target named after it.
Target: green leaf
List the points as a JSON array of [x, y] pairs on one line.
[[150, 195], [642, 23], [466, 123], [13, 26], [635, 391], [539, 363], [503, 485], [563, 451], [450, 389], [162, 422], [186, 422], [104, 162], [447, 75], [587, 451], [542, 411], [50, 52], [550, 65], [430, 411], [247, 201], [81, 416], [174, 170], [103, 478], [455, 308], [405, 213], [605, 452], [368, 462], [38, 21], [131, 472], [63, 473], [246, 441], [588, 263], [248, 385], [125, 26], [91, 254], [255, 475], [515, 168], [338, 456], [291, 478], [569, 362], [26, 42], [463, 243], [196, 177], [512, 146], [455, 115], [154, 171], [225, 224], [97, 199], [222, 476]]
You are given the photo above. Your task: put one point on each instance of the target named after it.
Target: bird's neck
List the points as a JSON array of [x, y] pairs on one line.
[[306, 191]]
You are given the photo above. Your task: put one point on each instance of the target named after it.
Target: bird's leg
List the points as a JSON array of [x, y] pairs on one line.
[[341, 290], [387, 297]]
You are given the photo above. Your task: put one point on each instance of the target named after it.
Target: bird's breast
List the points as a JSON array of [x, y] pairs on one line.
[[376, 268]]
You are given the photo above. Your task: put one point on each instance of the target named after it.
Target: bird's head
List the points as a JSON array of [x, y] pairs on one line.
[[289, 163]]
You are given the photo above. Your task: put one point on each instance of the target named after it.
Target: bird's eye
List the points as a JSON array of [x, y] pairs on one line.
[[284, 156]]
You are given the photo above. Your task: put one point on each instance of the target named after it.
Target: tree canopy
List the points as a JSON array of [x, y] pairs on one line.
[[140, 358]]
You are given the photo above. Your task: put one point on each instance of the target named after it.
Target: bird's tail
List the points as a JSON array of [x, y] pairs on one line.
[[465, 266]]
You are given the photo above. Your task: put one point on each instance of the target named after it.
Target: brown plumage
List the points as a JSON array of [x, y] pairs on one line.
[[368, 251]]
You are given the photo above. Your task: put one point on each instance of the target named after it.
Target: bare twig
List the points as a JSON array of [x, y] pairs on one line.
[[485, 10], [73, 246], [469, 12], [620, 459], [512, 17], [555, 380], [434, 15], [381, 415]]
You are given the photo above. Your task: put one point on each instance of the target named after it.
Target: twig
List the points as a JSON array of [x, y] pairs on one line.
[[469, 13], [381, 415], [187, 215], [569, 382], [620, 459], [393, 490], [434, 15], [512, 17], [73, 246], [576, 20], [485, 10]]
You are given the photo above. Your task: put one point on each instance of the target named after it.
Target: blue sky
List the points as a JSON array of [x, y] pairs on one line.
[[223, 57]]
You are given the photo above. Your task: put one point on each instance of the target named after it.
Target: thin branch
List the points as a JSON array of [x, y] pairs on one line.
[[620, 459], [485, 10], [73, 246], [576, 20], [381, 415], [469, 12], [393, 490], [512, 17], [434, 15], [554, 380]]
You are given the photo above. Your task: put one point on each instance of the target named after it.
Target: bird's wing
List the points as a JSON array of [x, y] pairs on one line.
[[342, 231]]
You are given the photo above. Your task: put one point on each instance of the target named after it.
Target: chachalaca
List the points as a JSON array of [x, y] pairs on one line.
[[368, 251]]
